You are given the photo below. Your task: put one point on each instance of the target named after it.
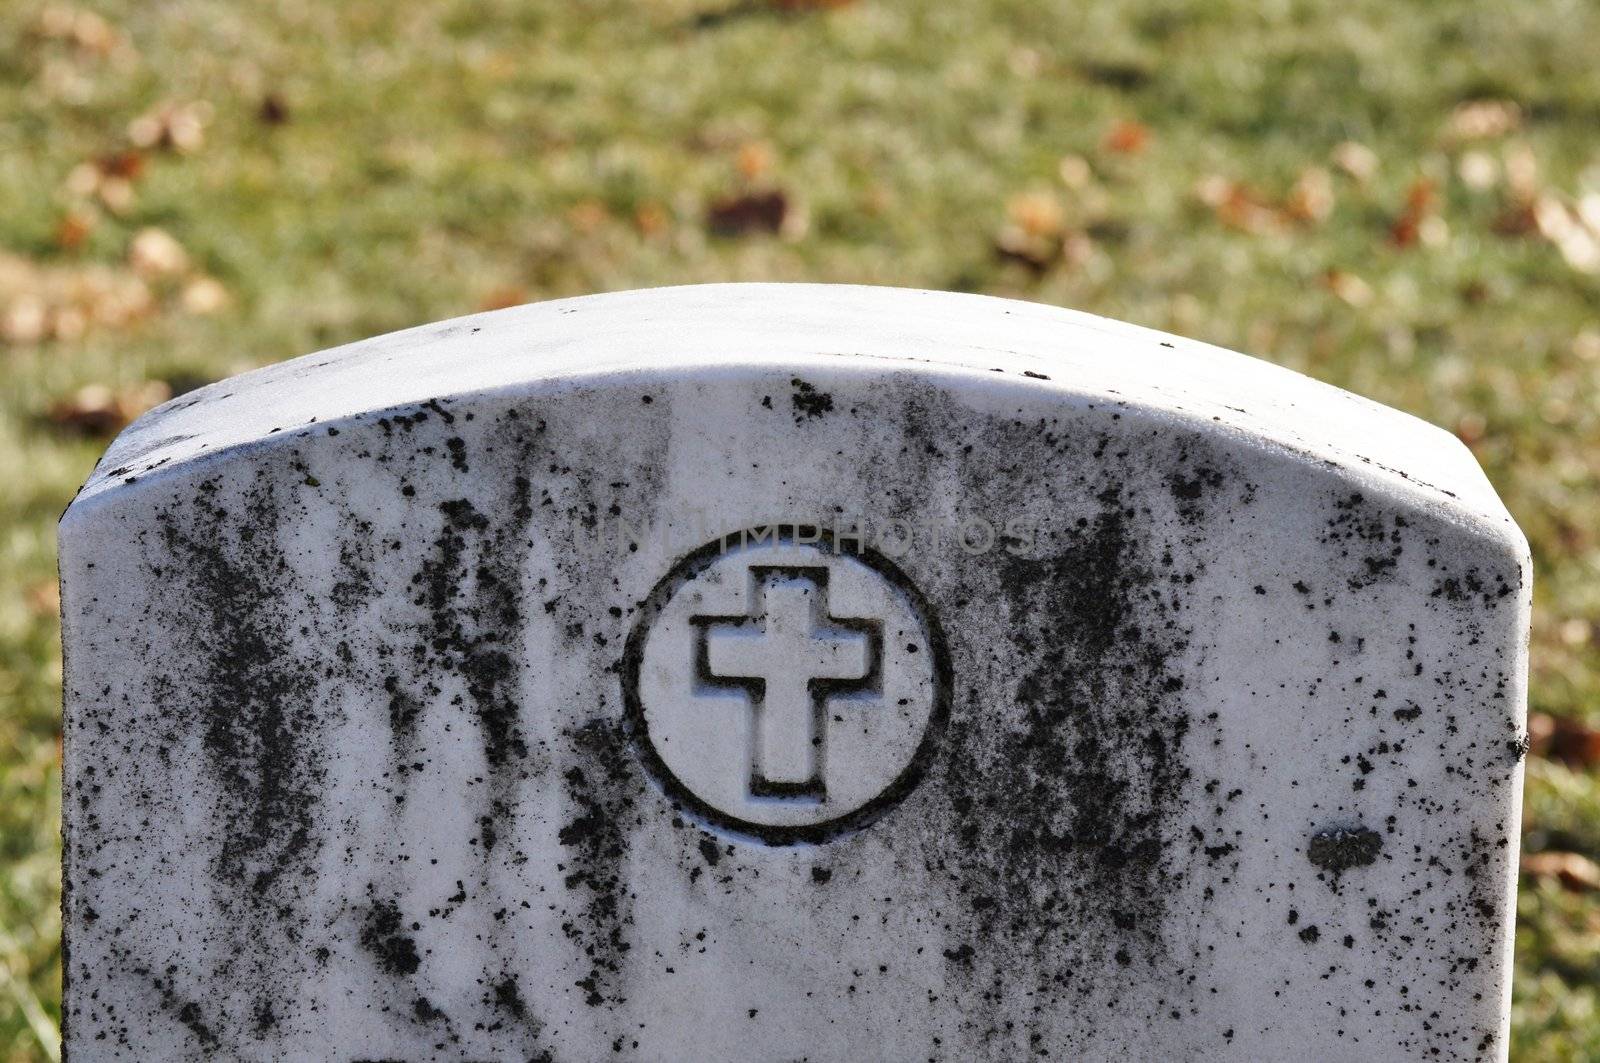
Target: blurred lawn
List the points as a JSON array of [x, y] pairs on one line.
[[190, 189]]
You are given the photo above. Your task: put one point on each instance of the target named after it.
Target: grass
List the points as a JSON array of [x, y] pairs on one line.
[[366, 165]]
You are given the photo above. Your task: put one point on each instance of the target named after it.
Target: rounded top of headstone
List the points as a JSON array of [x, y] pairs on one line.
[[995, 346]]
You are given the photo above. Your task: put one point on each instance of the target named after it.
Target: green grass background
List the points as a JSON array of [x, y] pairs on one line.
[[441, 155]]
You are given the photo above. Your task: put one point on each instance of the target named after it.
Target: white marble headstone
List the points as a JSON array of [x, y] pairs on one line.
[[768, 672]]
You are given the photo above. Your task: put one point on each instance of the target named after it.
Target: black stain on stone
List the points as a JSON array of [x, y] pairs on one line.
[[1339, 849], [471, 589], [505, 1000], [245, 682], [601, 788], [383, 934], [808, 401], [1086, 781], [186, 1012]]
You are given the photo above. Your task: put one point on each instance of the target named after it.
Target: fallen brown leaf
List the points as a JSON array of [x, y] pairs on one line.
[[44, 599], [651, 219], [1522, 172], [1470, 428], [1569, 230], [1348, 287], [755, 160], [588, 215], [116, 193], [203, 295], [1356, 160], [84, 29], [1558, 738], [177, 127], [1238, 205], [754, 212], [154, 253], [39, 302], [1574, 871], [1036, 252], [1576, 632], [1482, 119], [1478, 170], [97, 411], [1075, 172], [1032, 234], [26, 320], [1127, 137], [1414, 221], [1517, 220], [1036, 213], [274, 110], [1311, 198], [500, 298], [73, 229], [128, 165]]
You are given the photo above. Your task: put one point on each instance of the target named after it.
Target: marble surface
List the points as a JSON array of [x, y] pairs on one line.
[[788, 672]]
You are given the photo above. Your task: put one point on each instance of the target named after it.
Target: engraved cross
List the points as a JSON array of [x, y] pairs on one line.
[[789, 655]]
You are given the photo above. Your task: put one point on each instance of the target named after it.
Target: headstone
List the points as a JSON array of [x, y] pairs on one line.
[[789, 672]]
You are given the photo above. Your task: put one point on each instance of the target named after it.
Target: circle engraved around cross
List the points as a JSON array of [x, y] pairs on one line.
[[785, 687]]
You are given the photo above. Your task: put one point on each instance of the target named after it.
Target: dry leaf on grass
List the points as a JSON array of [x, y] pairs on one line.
[[1574, 230], [1478, 170], [1420, 221], [1470, 428], [755, 160], [1075, 172], [500, 298], [1482, 119], [1127, 137], [1356, 160], [1573, 870], [39, 303], [1576, 632], [753, 212], [1238, 205], [1311, 198], [73, 229], [179, 127], [1522, 171], [128, 165], [1031, 236], [155, 253], [97, 411], [109, 178], [25, 320], [588, 215], [651, 219], [1037, 213], [203, 295], [83, 29], [1348, 287], [274, 110], [44, 598], [1558, 738]]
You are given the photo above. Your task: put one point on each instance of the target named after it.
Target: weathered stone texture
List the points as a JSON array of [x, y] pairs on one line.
[[1230, 767]]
